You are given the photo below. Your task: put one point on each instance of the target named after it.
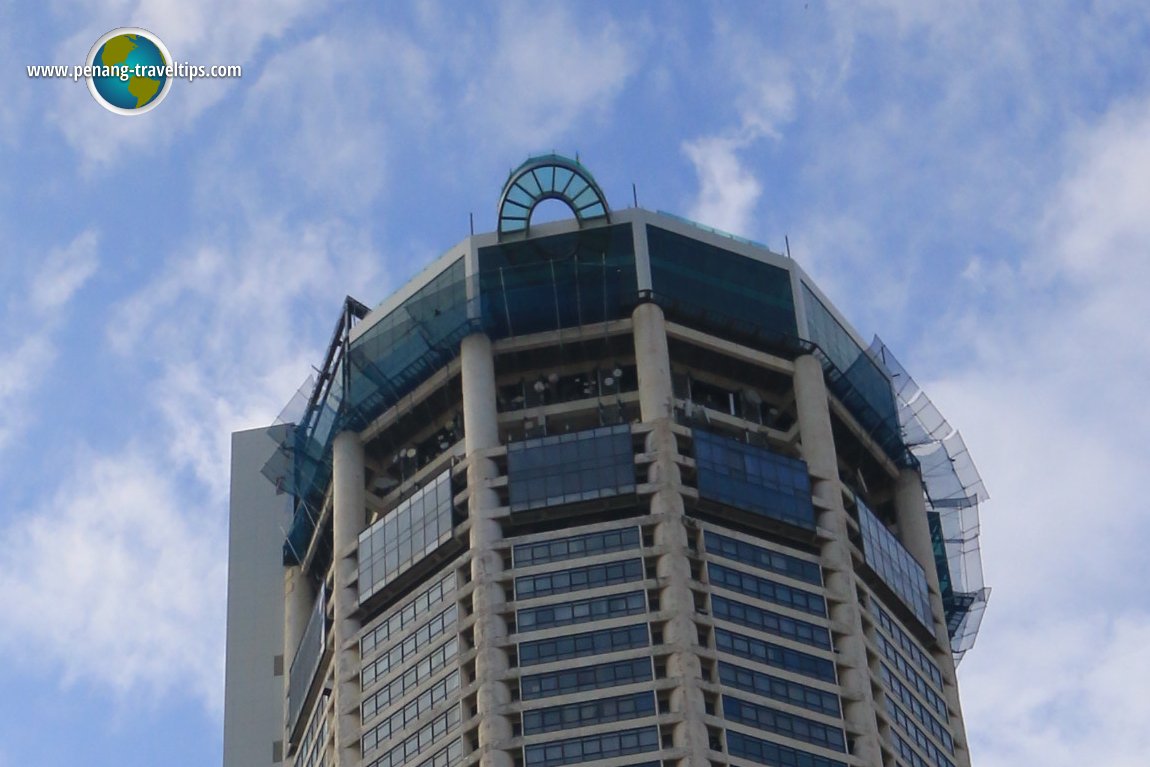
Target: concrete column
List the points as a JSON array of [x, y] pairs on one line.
[[481, 431], [653, 362], [680, 634], [914, 532], [349, 517], [819, 452]]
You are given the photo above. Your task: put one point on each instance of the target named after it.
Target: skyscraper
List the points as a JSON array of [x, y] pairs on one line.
[[619, 490]]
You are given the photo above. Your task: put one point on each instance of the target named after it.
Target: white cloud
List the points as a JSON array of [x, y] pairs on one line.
[[231, 327], [38, 311], [1060, 692], [728, 192], [546, 69], [64, 272], [765, 99], [1051, 408], [108, 581], [20, 370], [319, 120]]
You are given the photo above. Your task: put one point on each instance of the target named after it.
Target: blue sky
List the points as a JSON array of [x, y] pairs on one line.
[[969, 180]]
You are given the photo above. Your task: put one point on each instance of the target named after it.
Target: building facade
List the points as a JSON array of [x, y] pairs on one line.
[[620, 491]]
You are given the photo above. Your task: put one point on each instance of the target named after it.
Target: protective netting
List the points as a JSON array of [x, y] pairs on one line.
[[953, 490]]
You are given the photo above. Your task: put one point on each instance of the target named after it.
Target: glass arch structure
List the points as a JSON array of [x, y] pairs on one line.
[[549, 177]]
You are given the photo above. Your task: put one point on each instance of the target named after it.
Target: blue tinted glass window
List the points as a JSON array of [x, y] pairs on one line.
[[406, 614], [424, 739], [753, 479], [762, 558], [905, 750], [592, 747], [897, 568], [917, 709], [597, 677], [584, 713], [771, 623], [406, 534], [581, 611], [781, 723], [408, 715], [856, 379], [566, 468], [907, 669], [415, 675], [934, 754], [412, 646], [767, 590], [774, 754], [561, 549], [777, 688], [578, 579], [904, 641], [383, 364], [404, 348], [771, 654], [583, 645]]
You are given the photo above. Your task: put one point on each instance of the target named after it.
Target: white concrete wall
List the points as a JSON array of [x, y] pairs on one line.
[[254, 694]]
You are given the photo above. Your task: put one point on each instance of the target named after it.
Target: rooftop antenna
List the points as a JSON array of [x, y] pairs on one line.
[[634, 195], [471, 222], [787, 240]]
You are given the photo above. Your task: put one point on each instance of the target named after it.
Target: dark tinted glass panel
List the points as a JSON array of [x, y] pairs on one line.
[[598, 677], [777, 688], [773, 754], [720, 291], [404, 348], [408, 715], [895, 565], [767, 590], [412, 646], [406, 534], [557, 282], [583, 645], [581, 611], [406, 614], [578, 579], [763, 558], [386, 362], [856, 379], [592, 747], [560, 549], [306, 660], [781, 723], [565, 468], [771, 623], [422, 740], [917, 709], [771, 654], [905, 643], [753, 479], [907, 669], [903, 721], [584, 713]]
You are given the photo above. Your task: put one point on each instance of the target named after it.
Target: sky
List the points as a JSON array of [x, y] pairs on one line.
[[969, 180]]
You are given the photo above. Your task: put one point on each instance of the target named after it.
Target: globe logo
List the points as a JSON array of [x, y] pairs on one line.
[[131, 71]]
